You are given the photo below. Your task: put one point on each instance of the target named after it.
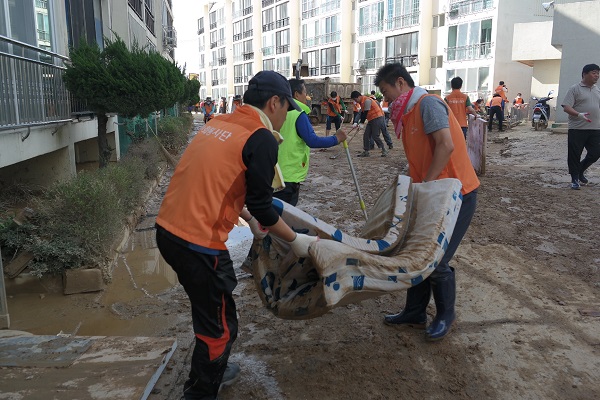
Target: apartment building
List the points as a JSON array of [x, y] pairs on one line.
[[348, 40], [44, 133]]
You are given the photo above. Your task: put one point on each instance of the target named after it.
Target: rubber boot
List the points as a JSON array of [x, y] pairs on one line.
[[444, 295], [413, 315]]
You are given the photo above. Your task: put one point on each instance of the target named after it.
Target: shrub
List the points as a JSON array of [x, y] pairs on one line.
[[173, 131]]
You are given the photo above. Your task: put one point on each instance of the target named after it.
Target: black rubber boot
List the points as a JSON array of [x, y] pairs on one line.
[[413, 315], [444, 295]]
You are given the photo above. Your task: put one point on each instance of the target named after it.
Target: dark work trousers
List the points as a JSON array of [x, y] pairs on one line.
[[208, 281], [337, 121], [372, 130], [356, 118], [578, 139], [384, 132], [496, 110], [465, 215], [289, 194]]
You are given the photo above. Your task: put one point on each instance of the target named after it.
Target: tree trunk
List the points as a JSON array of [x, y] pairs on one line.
[[104, 150]]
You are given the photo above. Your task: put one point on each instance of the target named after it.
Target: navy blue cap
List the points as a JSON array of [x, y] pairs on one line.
[[273, 82]]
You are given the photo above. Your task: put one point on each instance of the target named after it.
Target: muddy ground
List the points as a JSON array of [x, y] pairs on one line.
[[528, 274]]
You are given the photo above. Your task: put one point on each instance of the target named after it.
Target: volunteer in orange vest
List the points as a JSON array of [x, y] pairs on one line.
[[231, 161], [208, 109], [371, 112], [501, 89], [460, 104], [496, 107], [335, 107], [435, 148]]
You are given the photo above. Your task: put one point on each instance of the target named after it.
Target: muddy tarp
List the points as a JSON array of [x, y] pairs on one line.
[[405, 237]]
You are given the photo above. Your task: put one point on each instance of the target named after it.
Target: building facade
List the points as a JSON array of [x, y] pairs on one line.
[[44, 133], [348, 40]]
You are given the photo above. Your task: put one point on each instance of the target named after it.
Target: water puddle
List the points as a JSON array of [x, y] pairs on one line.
[[130, 306]]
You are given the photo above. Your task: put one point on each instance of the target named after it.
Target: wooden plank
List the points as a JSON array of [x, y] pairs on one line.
[[16, 266]]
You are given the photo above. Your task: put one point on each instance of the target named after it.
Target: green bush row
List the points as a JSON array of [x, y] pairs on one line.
[[75, 223]]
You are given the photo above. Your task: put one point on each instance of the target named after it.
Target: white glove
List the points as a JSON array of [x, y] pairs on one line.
[[301, 244], [257, 229], [361, 126], [585, 116]]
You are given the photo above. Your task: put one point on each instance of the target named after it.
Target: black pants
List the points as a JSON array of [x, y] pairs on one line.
[[209, 281], [289, 194], [578, 139], [496, 110]]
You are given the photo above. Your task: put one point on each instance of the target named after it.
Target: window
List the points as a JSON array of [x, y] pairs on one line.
[[281, 15], [474, 79], [469, 41], [311, 58], [437, 62], [269, 65], [268, 19], [330, 61], [283, 66], [402, 48], [370, 19], [268, 48], [282, 41], [439, 20], [402, 13]]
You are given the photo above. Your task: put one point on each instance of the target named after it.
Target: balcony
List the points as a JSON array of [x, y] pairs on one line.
[[459, 8], [322, 39], [248, 33], [41, 4], [370, 29], [237, 36], [402, 21], [215, 82], [330, 69], [369, 64], [268, 50], [280, 23], [213, 45], [43, 36], [267, 2], [169, 37], [241, 79], [282, 49], [33, 92], [222, 60], [213, 25], [247, 10], [314, 71], [248, 56], [322, 9], [200, 31], [407, 61], [469, 52], [268, 27]]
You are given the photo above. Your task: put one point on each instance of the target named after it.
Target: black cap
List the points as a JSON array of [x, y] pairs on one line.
[[273, 82], [590, 68]]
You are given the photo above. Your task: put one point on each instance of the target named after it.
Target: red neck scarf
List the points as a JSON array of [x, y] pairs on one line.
[[397, 108]]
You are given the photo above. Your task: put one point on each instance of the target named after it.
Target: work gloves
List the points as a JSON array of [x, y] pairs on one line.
[[585, 116], [257, 229], [301, 244]]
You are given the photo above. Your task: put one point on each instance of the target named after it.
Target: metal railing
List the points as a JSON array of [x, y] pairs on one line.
[[320, 10], [32, 92], [267, 2], [326, 38], [282, 49], [407, 61], [370, 28], [369, 63], [403, 21], [268, 50], [469, 52], [330, 69], [464, 7]]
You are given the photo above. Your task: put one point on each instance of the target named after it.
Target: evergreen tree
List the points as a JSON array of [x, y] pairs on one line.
[[117, 80]]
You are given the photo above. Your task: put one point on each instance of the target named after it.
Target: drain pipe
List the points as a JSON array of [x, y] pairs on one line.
[[4, 318]]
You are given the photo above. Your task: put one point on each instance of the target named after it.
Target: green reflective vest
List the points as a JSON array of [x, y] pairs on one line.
[[293, 152]]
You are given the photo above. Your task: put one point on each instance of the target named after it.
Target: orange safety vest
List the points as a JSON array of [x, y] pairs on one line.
[[419, 148], [335, 102], [374, 112], [457, 102], [356, 106], [208, 188], [496, 102], [500, 91]]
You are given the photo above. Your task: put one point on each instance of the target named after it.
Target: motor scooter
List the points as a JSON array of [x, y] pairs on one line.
[[541, 112]]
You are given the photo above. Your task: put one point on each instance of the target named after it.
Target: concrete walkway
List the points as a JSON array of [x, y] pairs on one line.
[[78, 367]]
